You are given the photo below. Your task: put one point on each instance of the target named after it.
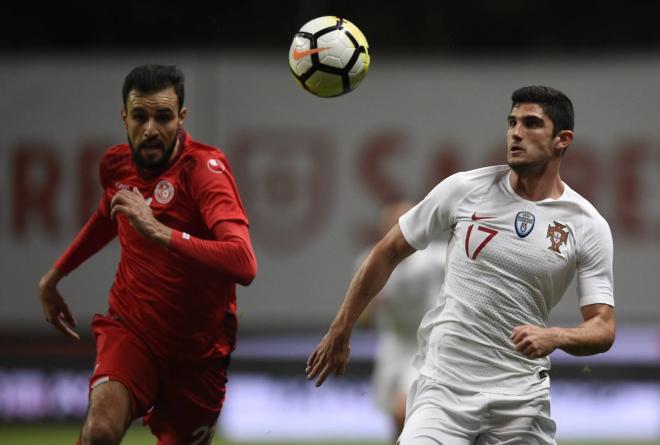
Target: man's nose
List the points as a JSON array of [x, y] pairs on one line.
[[516, 132], [150, 128]]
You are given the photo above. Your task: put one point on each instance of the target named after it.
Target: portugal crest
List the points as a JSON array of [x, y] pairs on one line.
[[557, 235], [524, 223]]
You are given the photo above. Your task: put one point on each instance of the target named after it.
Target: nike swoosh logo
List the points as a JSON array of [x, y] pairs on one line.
[[297, 55], [477, 218]]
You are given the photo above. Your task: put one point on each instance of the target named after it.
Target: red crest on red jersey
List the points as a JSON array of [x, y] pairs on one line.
[[164, 192]]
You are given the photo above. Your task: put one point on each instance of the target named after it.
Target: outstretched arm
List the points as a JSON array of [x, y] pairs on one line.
[[331, 355], [97, 232], [593, 336]]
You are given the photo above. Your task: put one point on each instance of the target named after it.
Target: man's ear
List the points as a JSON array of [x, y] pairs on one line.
[[563, 139], [182, 115]]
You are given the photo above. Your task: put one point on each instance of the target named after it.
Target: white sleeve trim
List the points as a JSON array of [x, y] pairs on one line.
[[407, 234]]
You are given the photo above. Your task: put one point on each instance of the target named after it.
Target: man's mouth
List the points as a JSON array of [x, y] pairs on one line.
[[152, 151], [152, 147], [516, 149]]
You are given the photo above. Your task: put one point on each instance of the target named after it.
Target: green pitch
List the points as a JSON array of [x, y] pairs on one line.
[[66, 434]]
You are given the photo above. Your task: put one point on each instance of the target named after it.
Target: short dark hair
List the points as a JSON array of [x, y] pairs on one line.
[[555, 104], [154, 78]]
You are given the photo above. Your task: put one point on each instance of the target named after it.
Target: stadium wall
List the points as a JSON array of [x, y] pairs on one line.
[[313, 172]]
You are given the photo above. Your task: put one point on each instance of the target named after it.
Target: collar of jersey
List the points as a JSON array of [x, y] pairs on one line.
[[512, 192]]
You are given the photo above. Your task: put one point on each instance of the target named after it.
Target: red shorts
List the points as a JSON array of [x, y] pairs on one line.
[[180, 402]]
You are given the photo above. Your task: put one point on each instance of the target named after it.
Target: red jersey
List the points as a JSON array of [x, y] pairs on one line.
[[181, 308]]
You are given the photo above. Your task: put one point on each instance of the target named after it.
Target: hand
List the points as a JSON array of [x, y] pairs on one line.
[[533, 341], [139, 214], [55, 310], [330, 355]]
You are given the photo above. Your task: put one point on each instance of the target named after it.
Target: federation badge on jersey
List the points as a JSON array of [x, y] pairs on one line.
[[215, 165], [164, 192], [524, 223], [557, 235]]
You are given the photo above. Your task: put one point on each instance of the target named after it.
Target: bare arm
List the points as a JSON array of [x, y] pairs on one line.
[[593, 336], [333, 351], [97, 232], [55, 310]]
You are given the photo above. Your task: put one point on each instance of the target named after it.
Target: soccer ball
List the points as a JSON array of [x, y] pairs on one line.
[[329, 56]]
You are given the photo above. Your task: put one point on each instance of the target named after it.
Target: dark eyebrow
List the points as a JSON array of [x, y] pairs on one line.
[[532, 118], [158, 110], [526, 117]]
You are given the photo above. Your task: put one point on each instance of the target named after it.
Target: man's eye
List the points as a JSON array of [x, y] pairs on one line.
[[163, 118]]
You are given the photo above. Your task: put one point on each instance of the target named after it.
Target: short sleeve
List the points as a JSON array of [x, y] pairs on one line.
[[435, 214], [214, 188], [595, 282]]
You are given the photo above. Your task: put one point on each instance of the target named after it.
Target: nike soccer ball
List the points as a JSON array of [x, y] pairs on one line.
[[329, 56]]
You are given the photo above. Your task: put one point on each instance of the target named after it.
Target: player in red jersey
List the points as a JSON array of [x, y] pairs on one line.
[[163, 347]]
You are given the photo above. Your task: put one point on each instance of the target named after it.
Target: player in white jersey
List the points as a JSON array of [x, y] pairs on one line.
[[518, 234], [410, 292]]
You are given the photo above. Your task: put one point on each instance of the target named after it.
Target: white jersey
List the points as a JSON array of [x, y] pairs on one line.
[[509, 262]]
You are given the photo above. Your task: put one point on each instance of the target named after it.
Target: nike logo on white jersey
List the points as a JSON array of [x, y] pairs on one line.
[[477, 218]]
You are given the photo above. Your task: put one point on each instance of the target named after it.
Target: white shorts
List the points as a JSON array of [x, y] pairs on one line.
[[437, 414]]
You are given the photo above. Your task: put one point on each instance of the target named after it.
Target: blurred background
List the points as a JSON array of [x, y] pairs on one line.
[[314, 174]]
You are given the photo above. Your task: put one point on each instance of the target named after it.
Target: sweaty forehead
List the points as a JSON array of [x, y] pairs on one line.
[[157, 100]]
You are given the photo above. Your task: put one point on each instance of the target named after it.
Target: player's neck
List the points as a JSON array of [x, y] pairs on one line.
[[538, 183]]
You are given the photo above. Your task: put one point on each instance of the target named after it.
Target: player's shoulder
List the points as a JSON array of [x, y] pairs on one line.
[[200, 150], [485, 174], [469, 180], [590, 216], [116, 155], [115, 158], [205, 156]]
